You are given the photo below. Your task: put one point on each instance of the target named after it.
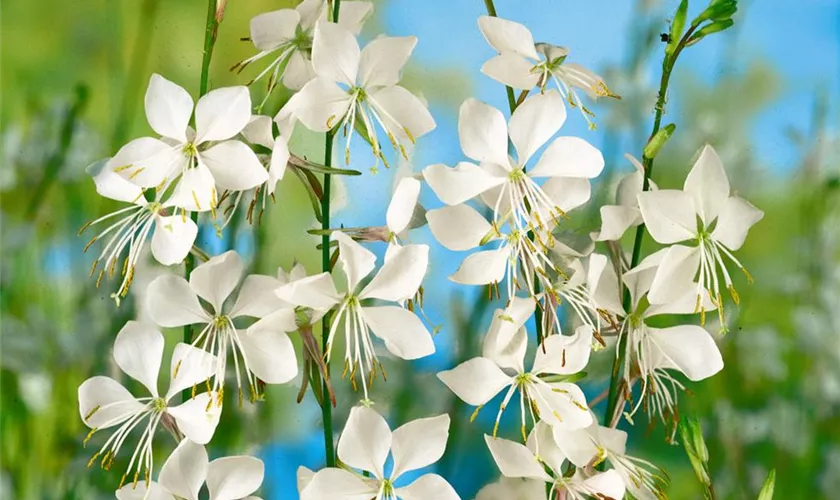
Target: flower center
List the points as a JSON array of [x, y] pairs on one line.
[[517, 174], [190, 150], [522, 379], [159, 405], [387, 488], [221, 321]]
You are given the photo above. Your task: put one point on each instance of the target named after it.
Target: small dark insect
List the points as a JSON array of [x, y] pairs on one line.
[[665, 38]]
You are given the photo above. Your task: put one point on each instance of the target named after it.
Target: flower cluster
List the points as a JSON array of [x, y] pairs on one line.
[[508, 210]]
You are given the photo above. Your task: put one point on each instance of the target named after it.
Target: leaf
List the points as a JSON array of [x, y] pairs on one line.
[[657, 141], [709, 29], [677, 26], [766, 492]]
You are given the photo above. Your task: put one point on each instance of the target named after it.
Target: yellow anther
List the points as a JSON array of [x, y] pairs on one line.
[[475, 413], [122, 168], [330, 121], [195, 200], [92, 431], [136, 173]]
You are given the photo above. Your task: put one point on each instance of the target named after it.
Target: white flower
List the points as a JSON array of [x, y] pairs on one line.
[[616, 219], [705, 215], [188, 468], [478, 380], [523, 64], [508, 188], [541, 459], [195, 162], [259, 131], [262, 351], [365, 445], [353, 84], [286, 35], [172, 235], [512, 489], [399, 278], [105, 403]]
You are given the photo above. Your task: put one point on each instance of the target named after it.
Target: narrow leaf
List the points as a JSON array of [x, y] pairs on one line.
[[657, 141], [766, 492]]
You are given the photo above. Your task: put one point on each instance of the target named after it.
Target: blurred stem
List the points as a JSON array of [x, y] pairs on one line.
[[667, 67], [137, 66], [56, 160], [210, 33], [491, 10]]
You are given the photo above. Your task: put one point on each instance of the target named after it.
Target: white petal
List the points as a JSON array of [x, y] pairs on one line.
[[147, 162], [512, 70], [232, 478], [354, 14], [483, 132], [112, 403], [310, 12], [299, 71], [198, 417], [460, 227], [567, 193], [669, 215], [562, 404], [460, 183], [404, 114], [482, 268], [172, 302], [365, 441], [428, 487], [675, 274], [514, 459], [382, 60], [279, 159], [196, 191], [707, 184], [339, 484], [475, 381], [173, 238], [257, 298], [609, 484], [356, 261], [603, 284], [404, 334], [736, 218], [541, 442], [534, 122], [614, 440], [564, 355], [400, 276], [191, 367], [335, 53], [269, 351], [270, 29], [504, 36], [185, 470], [320, 105], [402, 204], [116, 187], [639, 279], [577, 445], [569, 157], [141, 492], [315, 292], [304, 477], [510, 322], [689, 349], [215, 279], [508, 351], [419, 443], [138, 350], [222, 113], [168, 108], [616, 220], [234, 166]]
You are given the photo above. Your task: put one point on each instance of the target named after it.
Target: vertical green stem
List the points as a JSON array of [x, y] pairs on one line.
[[210, 33], [667, 68]]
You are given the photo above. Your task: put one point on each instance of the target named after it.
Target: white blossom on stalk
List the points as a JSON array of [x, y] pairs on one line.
[[501, 366], [105, 403], [262, 351], [403, 213], [353, 84], [709, 219], [504, 181], [512, 489], [365, 445], [542, 460], [260, 131], [523, 64], [617, 219], [172, 235], [403, 332], [286, 36], [653, 353], [188, 468], [197, 163]]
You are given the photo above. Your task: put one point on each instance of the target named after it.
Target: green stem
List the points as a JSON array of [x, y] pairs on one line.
[[210, 33], [491, 11], [667, 67]]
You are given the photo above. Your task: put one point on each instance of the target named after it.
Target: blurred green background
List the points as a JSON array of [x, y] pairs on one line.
[[764, 94]]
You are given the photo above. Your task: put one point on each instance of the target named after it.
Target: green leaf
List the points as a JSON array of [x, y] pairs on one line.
[[766, 492], [677, 26], [709, 29], [718, 10], [318, 168], [657, 141], [695, 447]]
